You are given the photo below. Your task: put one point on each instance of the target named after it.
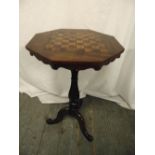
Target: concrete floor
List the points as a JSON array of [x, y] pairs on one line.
[[112, 127]]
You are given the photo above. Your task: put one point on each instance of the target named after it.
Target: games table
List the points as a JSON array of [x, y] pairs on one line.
[[75, 50]]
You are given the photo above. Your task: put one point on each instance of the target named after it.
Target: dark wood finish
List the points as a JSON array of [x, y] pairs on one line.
[[74, 101], [75, 48], [74, 105]]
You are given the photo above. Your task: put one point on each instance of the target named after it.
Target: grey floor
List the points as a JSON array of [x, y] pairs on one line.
[[111, 126]]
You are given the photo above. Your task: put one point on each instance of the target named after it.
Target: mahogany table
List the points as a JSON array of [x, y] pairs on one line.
[[74, 49]]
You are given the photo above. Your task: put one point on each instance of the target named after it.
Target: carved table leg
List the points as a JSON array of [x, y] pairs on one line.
[[74, 105], [63, 112], [81, 121]]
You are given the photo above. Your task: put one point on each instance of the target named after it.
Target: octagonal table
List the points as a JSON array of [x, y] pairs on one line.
[[74, 49]]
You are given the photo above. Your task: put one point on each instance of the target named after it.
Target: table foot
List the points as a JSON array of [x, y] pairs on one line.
[[63, 112], [81, 121]]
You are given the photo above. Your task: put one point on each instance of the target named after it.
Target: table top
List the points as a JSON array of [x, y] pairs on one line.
[[75, 48]]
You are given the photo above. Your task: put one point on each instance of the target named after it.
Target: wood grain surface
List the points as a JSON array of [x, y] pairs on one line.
[[111, 125], [75, 48]]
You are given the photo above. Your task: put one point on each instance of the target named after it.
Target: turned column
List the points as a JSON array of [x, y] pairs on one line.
[[74, 100]]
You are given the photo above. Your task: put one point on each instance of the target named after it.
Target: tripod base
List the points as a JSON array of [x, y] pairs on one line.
[[74, 105], [74, 113]]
